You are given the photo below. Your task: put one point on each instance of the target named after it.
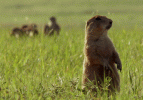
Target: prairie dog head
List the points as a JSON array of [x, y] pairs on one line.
[[53, 19], [24, 26], [98, 25]]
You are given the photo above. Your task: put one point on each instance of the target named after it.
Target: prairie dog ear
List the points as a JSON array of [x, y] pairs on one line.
[[90, 21], [87, 23]]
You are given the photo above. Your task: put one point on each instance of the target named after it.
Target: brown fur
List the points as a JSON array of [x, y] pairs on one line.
[[54, 26], [17, 32], [30, 30], [100, 55], [24, 28], [46, 29]]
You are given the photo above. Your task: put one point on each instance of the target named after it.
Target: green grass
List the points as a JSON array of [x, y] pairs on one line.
[[51, 67]]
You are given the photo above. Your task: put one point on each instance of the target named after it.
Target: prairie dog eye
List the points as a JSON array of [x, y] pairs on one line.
[[98, 18]]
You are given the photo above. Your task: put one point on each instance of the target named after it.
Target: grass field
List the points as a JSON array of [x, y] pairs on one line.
[[43, 67]]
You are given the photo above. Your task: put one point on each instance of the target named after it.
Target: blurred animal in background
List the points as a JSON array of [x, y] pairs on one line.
[[29, 30], [46, 29], [24, 28], [17, 32], [54, 27], [32, 30]]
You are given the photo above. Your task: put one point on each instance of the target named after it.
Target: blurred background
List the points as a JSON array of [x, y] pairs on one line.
[[70, 13]]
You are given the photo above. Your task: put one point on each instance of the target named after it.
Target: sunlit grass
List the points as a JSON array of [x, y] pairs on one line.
[[51, 67], [45, 67]]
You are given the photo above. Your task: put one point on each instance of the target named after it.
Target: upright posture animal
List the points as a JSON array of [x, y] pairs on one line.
[[17, 32], [100, 55], [54, 27]]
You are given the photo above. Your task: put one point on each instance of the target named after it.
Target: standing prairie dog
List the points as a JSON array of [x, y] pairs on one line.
[[100, 55], [54, 27]]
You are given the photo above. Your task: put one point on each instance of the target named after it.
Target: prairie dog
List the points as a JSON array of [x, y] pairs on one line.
[[100, 55], [30, 30], [33, 30], [46, 29], [24, 29], [54, 27], [17, 32]]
